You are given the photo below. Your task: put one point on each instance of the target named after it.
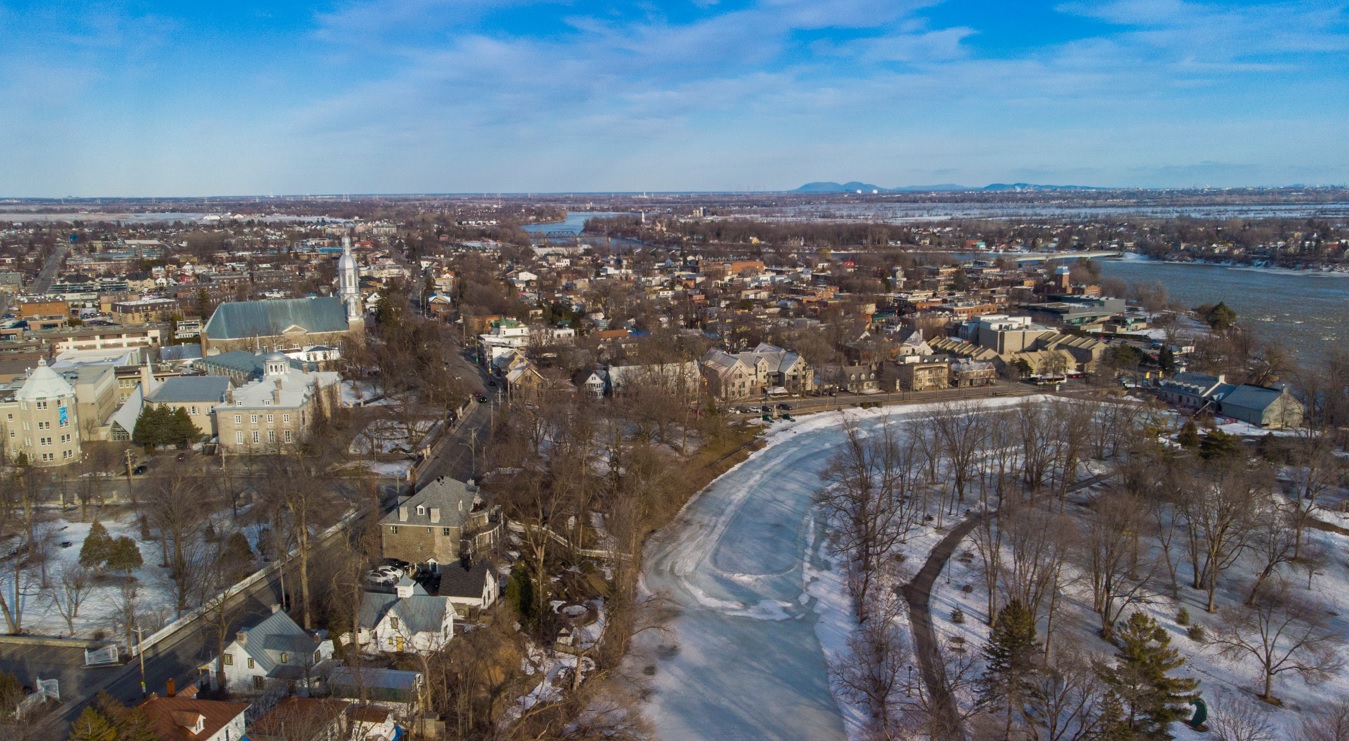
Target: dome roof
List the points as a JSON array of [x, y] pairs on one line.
[[275, 357], [44, 383]]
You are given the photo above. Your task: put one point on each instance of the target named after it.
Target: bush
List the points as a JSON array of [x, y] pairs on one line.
[[958, 616], [1196, 633], [1183, 617]]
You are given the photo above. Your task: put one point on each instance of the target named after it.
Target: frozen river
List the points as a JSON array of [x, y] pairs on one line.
[[737, 564]]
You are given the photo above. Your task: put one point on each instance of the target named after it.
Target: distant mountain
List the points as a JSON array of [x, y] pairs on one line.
[[850, 187], [854, 186]]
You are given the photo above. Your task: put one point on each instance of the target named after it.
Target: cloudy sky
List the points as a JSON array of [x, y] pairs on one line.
[[404, 96]]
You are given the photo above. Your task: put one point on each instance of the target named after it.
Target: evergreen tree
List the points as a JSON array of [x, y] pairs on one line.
[[1218, 444], [236, 556], [92, 726], [1166, 360], [1220, 317], [97, 547], [520, 592], [124, 556], [1140, 680], [1013, 654], [152, 427], [181, 429], [130, 723], [1189, 435]]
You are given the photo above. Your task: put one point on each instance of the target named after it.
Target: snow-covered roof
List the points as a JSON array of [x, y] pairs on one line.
[[44, 383]]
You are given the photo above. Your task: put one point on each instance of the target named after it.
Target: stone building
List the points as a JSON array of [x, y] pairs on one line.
[[197, 395], [275, 411], [438, 525], [40, 420]]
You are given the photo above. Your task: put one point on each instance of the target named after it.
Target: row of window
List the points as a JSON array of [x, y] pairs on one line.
[[228, 659], [253, 418], [393, 530], [271, 437], [28, 441]]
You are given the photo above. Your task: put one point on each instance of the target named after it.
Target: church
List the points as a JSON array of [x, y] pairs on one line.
[[287, 325]]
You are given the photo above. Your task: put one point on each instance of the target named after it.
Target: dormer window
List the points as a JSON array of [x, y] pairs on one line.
[[421, 510]]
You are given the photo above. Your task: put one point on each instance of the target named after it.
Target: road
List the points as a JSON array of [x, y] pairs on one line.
[[47, 275], [805, 404], [457, 455]]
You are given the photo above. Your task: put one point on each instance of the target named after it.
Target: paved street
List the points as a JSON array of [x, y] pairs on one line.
[[47, 275]]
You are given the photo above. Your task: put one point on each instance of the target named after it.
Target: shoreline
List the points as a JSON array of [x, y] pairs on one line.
[[1333, 272]]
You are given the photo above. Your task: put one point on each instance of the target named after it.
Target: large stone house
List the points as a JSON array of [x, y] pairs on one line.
[[40, 420], [438, 525], [274, 412], [764, 369]]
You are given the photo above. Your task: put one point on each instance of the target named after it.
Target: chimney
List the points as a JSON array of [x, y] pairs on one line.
[[170, 688], [435, 515], [242, 637], [403, 513]]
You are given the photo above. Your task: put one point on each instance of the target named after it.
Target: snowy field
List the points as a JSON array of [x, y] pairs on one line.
[[96, 614], [759, 602]]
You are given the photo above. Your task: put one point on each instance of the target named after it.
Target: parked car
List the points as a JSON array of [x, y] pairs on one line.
[[482, 399], [785, 407], [138, 470], [766, 409]]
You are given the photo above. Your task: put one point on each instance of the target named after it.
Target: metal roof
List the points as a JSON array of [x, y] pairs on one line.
[[244, 319], [180, 389]]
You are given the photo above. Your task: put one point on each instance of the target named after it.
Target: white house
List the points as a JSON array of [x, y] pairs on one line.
[[469, 585], [410, 619], [276, 650]]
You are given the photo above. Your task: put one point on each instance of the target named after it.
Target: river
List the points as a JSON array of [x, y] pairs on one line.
[[1305, 312]]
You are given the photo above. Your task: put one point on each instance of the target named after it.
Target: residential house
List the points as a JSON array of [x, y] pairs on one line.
[[969, 373], [275, 651], [923, 374], [439, 524], [191, 719], [470, 585], [410, 619], [1190, 390], [302, 719]]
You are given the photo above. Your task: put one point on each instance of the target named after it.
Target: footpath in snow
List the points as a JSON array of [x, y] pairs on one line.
[[757, 602]]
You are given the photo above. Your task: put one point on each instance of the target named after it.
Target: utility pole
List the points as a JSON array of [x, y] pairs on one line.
[[140, 652], [130, 460]]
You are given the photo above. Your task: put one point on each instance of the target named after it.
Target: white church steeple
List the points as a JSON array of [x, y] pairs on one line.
[[348, 282]]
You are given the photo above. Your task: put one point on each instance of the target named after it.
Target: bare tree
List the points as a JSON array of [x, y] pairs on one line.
[[73, 585], [1236, 718], [1063, 702], [1282, 632], [174, 506], [869, 673], [126, 611], [1330, 724], [1107, 540], [868, 496], [1273, 540], [961, 433], [1219, 513]]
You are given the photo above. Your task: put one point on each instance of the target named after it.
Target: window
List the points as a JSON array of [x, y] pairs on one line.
[[421, 510], [238, 418], [42, 405], [393, 622], [255, 437], [253, 418], [227, 659], [285, 418], [393, 529], [287, 435], [284, 657], [250, 662], [271, 437], [316, 657], [238, 437], [257, 681], [192, 410], [271, 418]]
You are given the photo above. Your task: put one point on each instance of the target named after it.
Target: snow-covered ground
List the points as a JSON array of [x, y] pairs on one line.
[[759, 602], [41, 617]]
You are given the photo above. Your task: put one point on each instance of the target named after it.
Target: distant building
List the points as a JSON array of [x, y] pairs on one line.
[[439, 524], [274, 412]]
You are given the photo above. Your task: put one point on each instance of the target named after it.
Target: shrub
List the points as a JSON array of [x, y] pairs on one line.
[[1183, 617], [958, 616], [1196, 633]]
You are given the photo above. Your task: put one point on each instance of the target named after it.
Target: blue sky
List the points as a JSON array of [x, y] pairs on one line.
[[401, 96]]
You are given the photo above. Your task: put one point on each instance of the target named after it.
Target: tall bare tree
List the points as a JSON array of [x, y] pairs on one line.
[[1282, 632]]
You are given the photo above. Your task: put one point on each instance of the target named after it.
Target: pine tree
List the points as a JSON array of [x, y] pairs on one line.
[[1013, 653], [1188, 437], [1141, 679], [124, 556], [97, 547], [92, 726], [181, 429]]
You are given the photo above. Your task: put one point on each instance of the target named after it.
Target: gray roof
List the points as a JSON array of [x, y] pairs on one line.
[[392, 679], [420, 613], [1255, 398], [175, 353], [183, 389], [244, 319], [274, 635], [447, 499], [458, 581]]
